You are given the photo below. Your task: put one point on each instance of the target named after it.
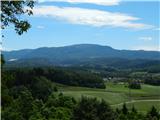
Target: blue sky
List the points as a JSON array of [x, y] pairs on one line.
[[119, 24]]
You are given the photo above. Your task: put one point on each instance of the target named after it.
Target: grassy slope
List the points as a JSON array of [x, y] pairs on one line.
[[115, 94], [142, 106]]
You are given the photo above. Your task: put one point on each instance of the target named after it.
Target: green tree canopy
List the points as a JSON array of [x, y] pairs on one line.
[[11, 12], [93, 109]]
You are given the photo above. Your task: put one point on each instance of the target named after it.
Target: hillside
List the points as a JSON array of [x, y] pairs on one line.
[[82, 54]]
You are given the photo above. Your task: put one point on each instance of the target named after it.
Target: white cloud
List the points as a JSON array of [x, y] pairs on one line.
[[157, 29], [146, 38], [90, 17], [1, 49], [147, 48], [11, 60], [97, 2], [40, 27]]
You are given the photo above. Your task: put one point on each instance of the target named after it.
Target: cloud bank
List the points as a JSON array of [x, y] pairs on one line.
[[158, 29], [147, 48], [90, 17], [97, 2], [146, 38], [40, 27]]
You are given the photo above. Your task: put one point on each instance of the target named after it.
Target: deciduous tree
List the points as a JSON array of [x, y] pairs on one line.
[[12, 12]]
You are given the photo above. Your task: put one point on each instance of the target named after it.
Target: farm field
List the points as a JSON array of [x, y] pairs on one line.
[[117, 94], [141, 105]]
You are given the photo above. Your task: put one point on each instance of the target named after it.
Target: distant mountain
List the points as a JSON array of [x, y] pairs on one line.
[[78, 54]]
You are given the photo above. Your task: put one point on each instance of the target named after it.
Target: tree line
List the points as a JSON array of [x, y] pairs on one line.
[[26, 76]]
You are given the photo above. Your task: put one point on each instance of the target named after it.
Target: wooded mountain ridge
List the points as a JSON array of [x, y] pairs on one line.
[[82, 55]]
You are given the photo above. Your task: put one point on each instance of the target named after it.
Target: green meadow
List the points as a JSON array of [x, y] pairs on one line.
[[117, 94]]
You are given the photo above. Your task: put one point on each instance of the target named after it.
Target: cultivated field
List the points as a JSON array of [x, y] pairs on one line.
[[117, 94]]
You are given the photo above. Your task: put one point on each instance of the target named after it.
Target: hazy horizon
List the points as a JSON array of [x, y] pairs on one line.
[[75, 45]]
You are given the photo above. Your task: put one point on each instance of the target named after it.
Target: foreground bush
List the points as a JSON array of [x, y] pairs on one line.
[[92, 109]]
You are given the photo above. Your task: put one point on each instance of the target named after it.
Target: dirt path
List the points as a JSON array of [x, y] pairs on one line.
[[133, 101]]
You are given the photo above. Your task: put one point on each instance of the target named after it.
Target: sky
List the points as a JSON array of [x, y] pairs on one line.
[[131, 25]]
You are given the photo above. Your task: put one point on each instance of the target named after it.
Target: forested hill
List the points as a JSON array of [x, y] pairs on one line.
[[80, 51], [82, 55]]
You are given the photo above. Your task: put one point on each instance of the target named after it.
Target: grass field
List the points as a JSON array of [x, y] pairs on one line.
[[117, 94], [142, 106]]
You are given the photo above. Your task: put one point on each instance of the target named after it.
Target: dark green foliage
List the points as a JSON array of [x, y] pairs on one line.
[[11, 12], [60, 100], [153, 114], [24, 101], [135, 85], [2, 60], [58, 107], [72, 78], [134, 110], [25, 107], [20, 108], [41, 87], [55, 89], [153, 80], [5, 96], [92, 109], [11, 113], [124, 109], [56, 113], [125, 114]]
